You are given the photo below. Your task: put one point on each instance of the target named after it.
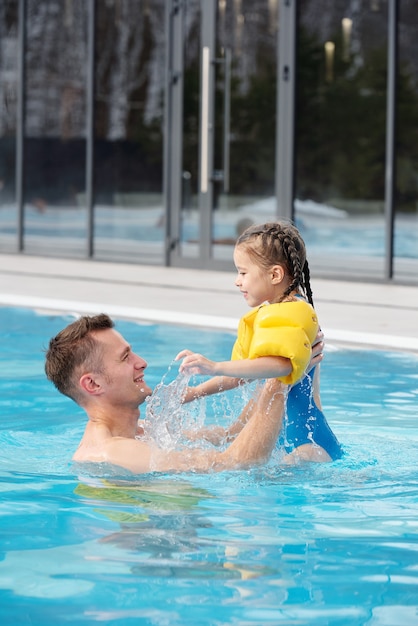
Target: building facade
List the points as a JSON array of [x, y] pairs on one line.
[[154, 131]]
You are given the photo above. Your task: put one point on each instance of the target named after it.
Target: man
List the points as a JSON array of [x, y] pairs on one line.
[[90, 362]]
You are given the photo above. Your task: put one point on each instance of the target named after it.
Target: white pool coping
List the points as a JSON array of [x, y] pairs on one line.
[[192, 319]]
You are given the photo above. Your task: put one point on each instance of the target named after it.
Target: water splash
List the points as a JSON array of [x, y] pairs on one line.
[[171, 424], [167, 419]]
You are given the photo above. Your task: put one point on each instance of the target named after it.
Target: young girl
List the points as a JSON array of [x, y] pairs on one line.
[[274, 341]]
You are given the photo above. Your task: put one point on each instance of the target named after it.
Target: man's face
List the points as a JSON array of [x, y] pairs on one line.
[[124, 370]]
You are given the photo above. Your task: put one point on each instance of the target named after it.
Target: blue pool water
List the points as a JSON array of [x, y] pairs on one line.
[[330, 544]]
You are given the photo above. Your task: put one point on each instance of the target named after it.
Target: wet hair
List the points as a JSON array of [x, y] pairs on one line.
[[75, 351], [279, 243]]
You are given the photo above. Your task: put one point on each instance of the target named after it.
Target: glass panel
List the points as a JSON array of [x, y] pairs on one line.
[[189, 223], [245, 119], [406, 217], [244, 128], [55, 127], [8, 101], [340, 134], [130, 78]]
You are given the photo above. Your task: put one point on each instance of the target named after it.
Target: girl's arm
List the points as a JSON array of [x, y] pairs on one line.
[[261, 367], [251, 369], [218, 435], [217, 384]]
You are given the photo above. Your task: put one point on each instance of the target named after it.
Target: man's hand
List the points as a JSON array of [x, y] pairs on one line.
[[317, 351]]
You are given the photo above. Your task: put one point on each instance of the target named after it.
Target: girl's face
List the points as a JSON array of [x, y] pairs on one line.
[[257, 284]]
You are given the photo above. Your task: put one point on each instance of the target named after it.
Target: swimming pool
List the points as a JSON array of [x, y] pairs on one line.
[[331, 544]]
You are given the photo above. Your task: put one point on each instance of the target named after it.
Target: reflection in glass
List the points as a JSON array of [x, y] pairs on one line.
[[55, 126], [245, 145], [8, 106], [340, 135], [406, 197], [129, 215], [189, 226], [243, 171]]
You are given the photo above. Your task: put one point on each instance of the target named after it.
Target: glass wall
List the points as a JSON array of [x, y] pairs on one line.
[[102, 108], [8, 115], [130, 49], [341, 102], [54, 148]]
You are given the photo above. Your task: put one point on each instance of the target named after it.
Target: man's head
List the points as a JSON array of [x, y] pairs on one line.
[[75, 351]]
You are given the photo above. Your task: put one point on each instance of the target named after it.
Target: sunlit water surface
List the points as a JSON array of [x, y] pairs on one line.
[[317, 545]]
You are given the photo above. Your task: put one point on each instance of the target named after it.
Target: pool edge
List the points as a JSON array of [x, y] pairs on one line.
[[345, 337]]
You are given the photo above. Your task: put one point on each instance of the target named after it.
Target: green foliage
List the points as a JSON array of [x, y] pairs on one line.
[[341, 125]]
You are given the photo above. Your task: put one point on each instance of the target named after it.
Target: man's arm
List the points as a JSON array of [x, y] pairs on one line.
[[252, 446], [220, 435]]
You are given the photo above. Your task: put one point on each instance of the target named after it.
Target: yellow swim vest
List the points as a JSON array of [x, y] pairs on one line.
[[285, 329]]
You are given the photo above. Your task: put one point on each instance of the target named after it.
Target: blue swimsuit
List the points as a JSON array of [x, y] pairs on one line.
[[305, 423], [287, 329]]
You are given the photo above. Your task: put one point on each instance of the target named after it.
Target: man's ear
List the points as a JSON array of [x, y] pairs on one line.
[[277, 274], [89, 384]]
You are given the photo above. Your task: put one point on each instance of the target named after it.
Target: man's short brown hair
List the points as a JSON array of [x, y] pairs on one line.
[[75, 351]]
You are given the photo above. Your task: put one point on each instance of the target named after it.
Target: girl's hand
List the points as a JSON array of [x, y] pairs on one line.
[[194, 363]]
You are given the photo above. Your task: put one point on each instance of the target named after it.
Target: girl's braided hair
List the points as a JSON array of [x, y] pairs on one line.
[[279, 243]]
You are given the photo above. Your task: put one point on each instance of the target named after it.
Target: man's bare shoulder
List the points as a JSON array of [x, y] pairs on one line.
[[100, 447]]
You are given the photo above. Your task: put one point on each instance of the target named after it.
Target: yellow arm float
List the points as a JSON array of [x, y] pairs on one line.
[[285, 329]]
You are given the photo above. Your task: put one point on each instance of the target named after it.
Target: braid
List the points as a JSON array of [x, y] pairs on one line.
[[307, 282], [293, 261]]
